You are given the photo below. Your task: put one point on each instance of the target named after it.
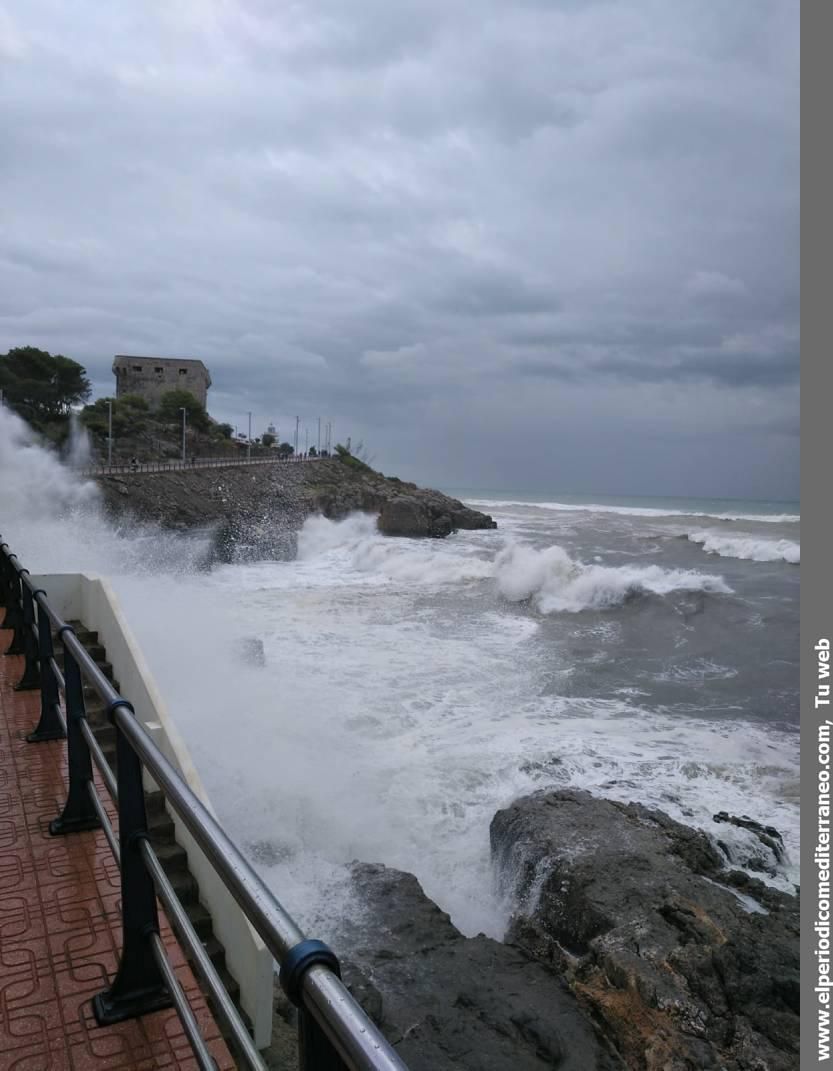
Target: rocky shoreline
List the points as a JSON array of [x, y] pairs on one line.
[[635, 942], [632, 946], [256, 510]]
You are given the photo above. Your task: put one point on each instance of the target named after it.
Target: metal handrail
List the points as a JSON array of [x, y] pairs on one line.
[[334, 1031], [127, 468]]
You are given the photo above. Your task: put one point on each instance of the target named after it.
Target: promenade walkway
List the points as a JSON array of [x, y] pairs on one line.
[[60, 925], [193, 463]]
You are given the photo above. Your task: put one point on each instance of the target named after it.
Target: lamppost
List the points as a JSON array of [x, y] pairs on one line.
[[249, 444], [109, 431], [183, 411]]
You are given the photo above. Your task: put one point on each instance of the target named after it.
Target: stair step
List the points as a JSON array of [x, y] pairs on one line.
[[84, 635], [173, 857], [184, 886], [216, 953], [201, 921], [161, 829], [105, 734]]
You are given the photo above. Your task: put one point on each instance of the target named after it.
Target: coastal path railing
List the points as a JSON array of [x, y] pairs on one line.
[[191, 463], [334, 1032]]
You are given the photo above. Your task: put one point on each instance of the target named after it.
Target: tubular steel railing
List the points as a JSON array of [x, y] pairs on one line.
[[189, 464], [334, 1033]]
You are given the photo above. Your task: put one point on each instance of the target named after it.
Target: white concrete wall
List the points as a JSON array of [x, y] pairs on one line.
[[91, 600]]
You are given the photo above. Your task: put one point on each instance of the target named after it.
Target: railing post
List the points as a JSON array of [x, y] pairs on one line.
[[14, 616], [49, 727], [6, 576], [31, 677], [78, 814], [315, 1050], [139, 987]]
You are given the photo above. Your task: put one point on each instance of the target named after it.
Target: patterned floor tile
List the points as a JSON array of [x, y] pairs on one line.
[[60, 923]]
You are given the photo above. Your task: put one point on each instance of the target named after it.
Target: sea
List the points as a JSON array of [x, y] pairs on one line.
[[644, 649]]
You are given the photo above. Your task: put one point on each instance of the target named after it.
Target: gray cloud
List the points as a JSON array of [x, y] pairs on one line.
[[441, 226]]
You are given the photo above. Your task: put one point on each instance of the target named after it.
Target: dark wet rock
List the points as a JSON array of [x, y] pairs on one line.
[[767, 835], [451, 1002], [255, 511], [686, 964], [429, 514], [404, 516]]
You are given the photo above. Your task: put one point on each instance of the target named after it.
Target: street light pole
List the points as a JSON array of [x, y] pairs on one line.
[[249, 446], [109, 431], [183, 411]]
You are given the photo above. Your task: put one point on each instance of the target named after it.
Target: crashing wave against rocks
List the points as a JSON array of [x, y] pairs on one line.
[[257, 511]]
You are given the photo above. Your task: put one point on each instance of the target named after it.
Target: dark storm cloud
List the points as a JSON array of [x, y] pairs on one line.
[[441, 226]]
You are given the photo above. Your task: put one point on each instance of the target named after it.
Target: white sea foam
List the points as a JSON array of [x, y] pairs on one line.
[[400, 703], [634, 511], [749, 547], [356, 545], [554, 582], [550, 579]]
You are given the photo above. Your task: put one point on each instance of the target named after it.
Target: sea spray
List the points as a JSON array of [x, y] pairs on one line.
[[53, 517], [403, 698]]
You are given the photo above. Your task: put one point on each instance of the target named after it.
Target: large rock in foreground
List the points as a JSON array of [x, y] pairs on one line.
[[687, 965], [452, 1003]]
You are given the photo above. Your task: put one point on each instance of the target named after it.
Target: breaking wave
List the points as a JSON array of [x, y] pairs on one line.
[[549, 578], [748, 547], [554, 582], [636, 511], [356, 545]]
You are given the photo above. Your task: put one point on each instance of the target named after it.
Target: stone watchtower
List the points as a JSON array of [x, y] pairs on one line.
[[151, 377]]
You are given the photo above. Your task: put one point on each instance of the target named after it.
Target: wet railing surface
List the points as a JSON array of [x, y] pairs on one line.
[[334, 1032]]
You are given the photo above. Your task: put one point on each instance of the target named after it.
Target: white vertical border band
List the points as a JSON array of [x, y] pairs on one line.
[[816, 517]]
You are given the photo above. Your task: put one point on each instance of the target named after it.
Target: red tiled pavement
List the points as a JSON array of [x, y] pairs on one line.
[[60, 929]]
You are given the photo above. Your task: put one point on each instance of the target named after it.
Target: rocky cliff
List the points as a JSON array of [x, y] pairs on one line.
[[259, 507]]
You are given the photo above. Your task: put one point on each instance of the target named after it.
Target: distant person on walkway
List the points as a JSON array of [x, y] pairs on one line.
[[134, 464]]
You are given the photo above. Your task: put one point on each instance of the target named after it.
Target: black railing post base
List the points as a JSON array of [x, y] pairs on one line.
[[61, 826], [41, 735], [30, 681], [16, 646], [131, 997]]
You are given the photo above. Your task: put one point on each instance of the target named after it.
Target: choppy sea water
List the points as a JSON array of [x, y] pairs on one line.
[[644, 650], [412, 688]]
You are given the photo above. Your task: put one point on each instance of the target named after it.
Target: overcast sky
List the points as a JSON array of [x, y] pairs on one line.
[[507, 243]]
